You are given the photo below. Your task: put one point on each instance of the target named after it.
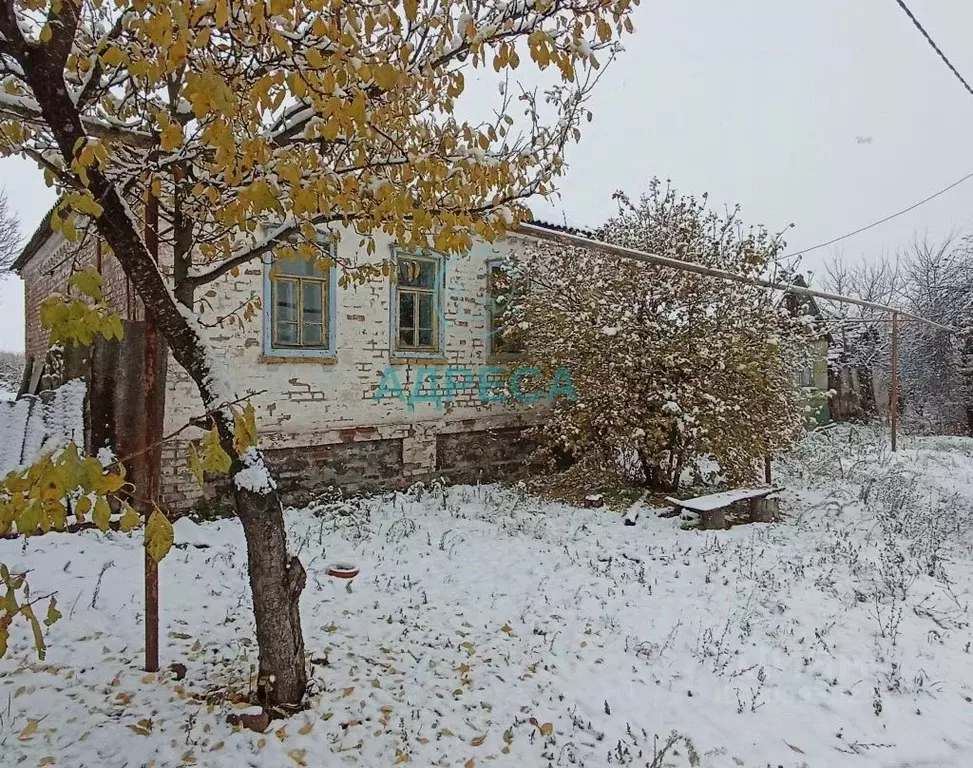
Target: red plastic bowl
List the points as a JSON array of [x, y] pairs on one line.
[[342, 571]]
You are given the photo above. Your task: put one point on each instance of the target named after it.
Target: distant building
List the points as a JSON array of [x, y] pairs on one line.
[[813, 377], [855, 371]]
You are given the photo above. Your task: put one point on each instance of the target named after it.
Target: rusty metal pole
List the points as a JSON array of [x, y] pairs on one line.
[[894, 388], [150, 476]]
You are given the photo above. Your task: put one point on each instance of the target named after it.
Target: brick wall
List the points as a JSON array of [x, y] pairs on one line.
[[48, 272], [320, 421], [469, 456]]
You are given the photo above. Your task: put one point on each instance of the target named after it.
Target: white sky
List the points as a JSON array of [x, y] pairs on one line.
[[758, 102]]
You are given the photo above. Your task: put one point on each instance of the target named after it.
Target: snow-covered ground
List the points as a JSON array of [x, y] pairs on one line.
[[489, 629]]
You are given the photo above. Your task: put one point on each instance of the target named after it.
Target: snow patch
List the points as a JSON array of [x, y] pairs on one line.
[[485, 607], [106, 456], [186, 533], [34, 425], [254, 477]]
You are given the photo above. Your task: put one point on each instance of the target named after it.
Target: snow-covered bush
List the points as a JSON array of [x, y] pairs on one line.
[[668, 366], [849, 453], [11, 371]]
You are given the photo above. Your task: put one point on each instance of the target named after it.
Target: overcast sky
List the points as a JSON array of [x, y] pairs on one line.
[[758, 102]]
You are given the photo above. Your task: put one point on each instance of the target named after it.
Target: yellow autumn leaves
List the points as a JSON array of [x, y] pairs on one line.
[[209, 457], [373, 89], [82, 317], [40, 499], [15, 601]]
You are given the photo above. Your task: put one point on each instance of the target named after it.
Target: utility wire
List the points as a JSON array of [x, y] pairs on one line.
[[966, 85], [935, 47], [881, 221]]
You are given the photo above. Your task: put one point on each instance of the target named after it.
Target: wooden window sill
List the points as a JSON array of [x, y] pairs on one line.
[[310, 360]]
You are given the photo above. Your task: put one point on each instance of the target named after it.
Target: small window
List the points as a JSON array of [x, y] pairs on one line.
[[500, 286], [300, 316], [804, 377], [417, 297]]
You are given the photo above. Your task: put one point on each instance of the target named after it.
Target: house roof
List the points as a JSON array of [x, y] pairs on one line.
[[808, 303], [578, 231], [36, 242], [802, 304], [43, 231]]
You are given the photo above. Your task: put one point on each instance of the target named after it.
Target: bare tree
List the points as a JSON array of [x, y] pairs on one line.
[[930, 278], [9, 234], [937, 284]]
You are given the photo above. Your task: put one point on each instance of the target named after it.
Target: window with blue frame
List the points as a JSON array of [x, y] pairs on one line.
[[416, 303], [301, 307], [504, 341]]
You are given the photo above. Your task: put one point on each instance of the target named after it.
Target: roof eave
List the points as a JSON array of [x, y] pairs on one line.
[[41, 235]]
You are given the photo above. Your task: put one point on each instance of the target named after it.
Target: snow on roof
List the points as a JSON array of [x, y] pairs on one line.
[[37, 240], [44, 231], [569, 229], [34, 425], [853, 338]]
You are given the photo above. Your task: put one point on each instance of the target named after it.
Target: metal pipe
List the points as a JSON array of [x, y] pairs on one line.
[[894, 389], [576, 241], [150, 461]]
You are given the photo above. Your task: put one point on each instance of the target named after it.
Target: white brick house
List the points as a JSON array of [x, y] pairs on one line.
[[326, 361]]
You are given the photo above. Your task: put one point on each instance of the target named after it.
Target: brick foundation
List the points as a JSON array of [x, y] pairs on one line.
[[304, 472]]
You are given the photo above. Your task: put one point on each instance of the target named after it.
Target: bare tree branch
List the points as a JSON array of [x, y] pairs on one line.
[[9, 234]]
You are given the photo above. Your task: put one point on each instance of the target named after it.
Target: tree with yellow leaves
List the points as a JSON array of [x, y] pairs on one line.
[[253, 125], [672, 370]]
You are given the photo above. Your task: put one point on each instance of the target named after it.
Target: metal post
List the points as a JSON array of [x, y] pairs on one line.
[[894, 388], [150, 461], [768, 475]]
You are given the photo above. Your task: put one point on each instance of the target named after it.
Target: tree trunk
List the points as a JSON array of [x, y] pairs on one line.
[[276, 581], [275, 578]]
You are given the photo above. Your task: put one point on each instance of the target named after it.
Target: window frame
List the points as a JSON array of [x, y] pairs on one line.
[[492, 353], [329, 292], [805, 374], [438, 315]]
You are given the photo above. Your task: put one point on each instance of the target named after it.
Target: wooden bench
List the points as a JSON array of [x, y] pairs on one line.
[[712, 508]]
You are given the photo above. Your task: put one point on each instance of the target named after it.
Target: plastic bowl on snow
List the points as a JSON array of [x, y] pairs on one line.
[[343, 570]]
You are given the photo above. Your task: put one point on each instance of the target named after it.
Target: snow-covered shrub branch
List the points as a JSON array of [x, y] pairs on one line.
[[668, 366]]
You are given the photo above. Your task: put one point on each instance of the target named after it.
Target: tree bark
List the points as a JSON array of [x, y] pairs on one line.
[[276, 578], [182, 241], [276, 581]]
